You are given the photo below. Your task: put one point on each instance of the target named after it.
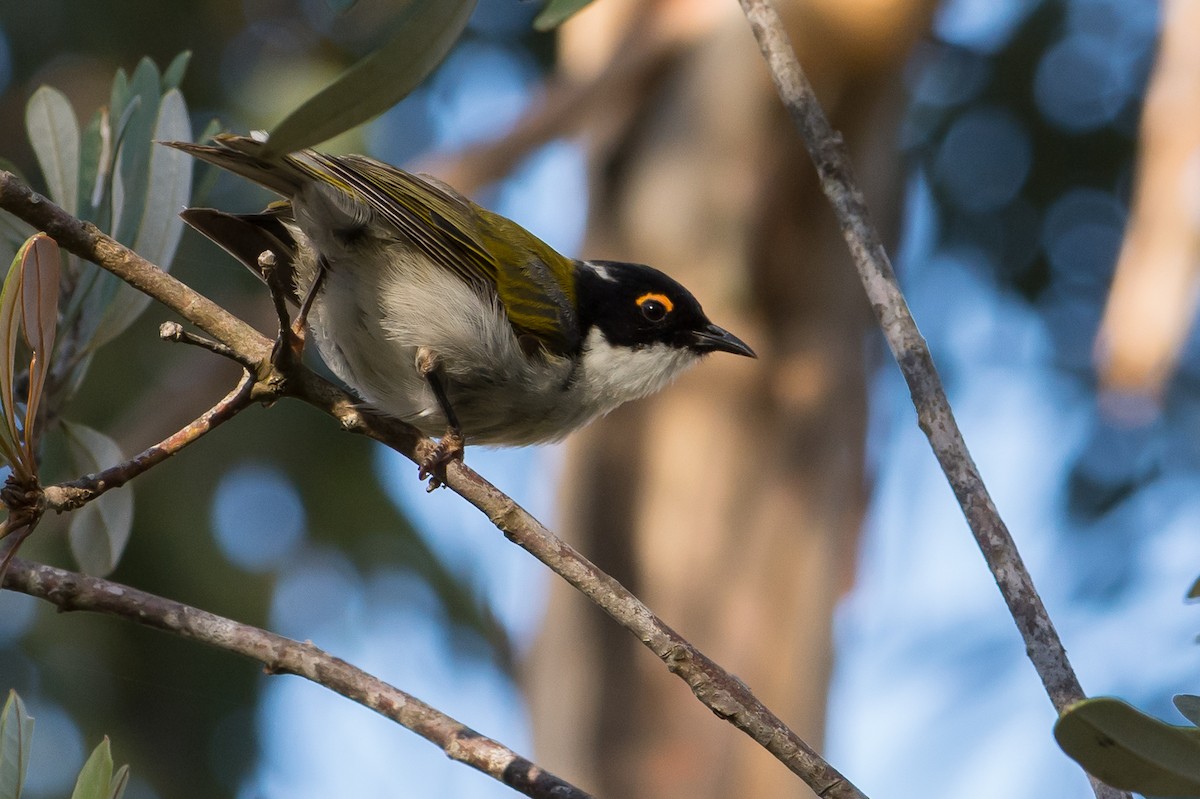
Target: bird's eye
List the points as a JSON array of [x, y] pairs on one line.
[[655, 307]]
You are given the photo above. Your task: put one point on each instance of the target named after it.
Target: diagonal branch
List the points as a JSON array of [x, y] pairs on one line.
[[724, 694], [88, 242], [75, 494], [71, 591], [934, 415], [720, 691]]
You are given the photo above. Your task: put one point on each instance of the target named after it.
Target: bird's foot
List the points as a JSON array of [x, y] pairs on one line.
[[449, 448]]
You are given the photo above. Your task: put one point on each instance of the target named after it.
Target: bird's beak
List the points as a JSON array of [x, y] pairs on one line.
[[713, 339]]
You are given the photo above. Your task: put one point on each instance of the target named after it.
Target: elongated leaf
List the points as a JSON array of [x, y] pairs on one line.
[[134, 147], [96, 774], [168, 189], [173, 74], [95, 163], [54, 133], [116, 198], [39, 322], [10, 326], [427, 30], [39, 293], [16, 735], [1130, 750], [1194, 591], [170, 184], [119, 97], [119, 782], [98, 531], [92, 300], [556, 12]]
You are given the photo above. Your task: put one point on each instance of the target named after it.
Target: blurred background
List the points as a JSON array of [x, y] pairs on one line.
[[785, 515]]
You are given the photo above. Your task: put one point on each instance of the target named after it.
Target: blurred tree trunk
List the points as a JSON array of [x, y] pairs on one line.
[[1152, 305], [730, 503]]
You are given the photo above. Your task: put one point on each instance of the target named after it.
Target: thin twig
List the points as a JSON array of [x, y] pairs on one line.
[[71, 591], [173, 331], [934, 415], [720, 691], [75, 494]]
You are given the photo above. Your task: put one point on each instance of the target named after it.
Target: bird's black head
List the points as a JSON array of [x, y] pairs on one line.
[[635, 306]]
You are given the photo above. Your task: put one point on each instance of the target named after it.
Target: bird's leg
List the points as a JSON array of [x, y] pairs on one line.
[[292, 334], [450, 447], [309, 297]]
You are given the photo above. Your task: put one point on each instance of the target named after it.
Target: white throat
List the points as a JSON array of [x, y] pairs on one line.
[[612, 375]]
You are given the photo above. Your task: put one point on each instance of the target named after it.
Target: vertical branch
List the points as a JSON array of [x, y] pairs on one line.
[[934, 415]]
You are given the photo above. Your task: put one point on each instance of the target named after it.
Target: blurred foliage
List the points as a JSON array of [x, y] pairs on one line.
[[113, 175], [96, 780], [143, 687], [425, 30]]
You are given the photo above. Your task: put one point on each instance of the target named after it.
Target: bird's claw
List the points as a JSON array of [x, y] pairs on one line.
[[433, 467]]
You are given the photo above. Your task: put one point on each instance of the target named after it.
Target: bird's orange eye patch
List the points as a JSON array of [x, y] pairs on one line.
[[661, 299]]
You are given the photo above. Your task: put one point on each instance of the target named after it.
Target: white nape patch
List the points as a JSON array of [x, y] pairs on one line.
[[612, 375], [602, 271]]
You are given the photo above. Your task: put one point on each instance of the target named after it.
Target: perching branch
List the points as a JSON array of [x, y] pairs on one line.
[[934, 415], [716, 688], [71, 591]]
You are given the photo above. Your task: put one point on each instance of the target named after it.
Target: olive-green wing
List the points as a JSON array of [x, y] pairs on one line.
[[534, 283]]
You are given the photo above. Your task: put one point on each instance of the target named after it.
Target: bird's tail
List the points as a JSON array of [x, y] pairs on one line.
[[242, 155]]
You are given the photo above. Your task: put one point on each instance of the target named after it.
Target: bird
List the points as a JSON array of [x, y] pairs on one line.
[[445, 315]]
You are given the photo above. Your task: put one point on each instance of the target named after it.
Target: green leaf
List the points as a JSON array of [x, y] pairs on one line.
[[173, 75], [1129, 750], [95, 162], [96, 774], [118, 784], [134, 147], [1189, 706], [427, 30], [98, 531], [1194, 591], [168, 190], [556, 12], [16, 735], [170, 184], [39, 322], [119, 97], [10, 326], [54, 133]]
